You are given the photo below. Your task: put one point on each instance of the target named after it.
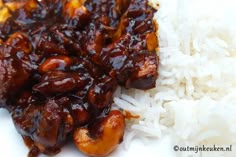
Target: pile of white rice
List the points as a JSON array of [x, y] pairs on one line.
[[194, 102]]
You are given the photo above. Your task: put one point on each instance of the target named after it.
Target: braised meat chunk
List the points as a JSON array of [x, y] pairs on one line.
[[114, 45], [61, 62], [15, 66]]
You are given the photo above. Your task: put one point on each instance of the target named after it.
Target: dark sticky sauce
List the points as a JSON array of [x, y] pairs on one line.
[[96, 46]]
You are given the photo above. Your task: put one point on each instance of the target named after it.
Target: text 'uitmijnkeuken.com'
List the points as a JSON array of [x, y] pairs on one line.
[[202, 148]]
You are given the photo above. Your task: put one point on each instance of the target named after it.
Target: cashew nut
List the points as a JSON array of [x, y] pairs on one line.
[[14, 5], [74, 8], [54, 63], [4, 14], [20, 41], [7, 8], [152, 42], [111, 134]]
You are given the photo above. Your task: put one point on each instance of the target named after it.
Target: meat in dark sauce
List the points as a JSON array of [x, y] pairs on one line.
[[62, 60]]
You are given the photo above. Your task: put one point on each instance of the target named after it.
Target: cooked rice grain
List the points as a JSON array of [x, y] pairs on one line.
[[194, 102]]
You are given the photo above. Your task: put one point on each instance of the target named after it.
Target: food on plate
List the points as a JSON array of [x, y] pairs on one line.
[[103, 142], [61, 62]]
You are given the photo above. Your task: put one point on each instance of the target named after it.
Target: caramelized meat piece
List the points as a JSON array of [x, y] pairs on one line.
[[45, 124], [101, 92], [62, 60], [15, 66], [145, 73], [115, 48]]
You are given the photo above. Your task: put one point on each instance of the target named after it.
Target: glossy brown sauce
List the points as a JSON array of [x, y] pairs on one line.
[[61, 61], [130, 116]]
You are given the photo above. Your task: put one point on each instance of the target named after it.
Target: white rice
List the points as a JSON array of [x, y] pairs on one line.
[[194, 102]]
